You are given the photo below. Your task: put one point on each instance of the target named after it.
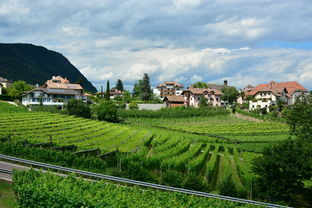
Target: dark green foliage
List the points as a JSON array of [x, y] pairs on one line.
[[178, 112], [18, 88], [282, 169], [106, 110], [146, 91], [78, 108], [107, 93], [227, 187], [230, 94], [194, 182], [172, 178], [200, 84], [6, 97], [36, 64], [299, 116], [137, 89], [203, 102], [65, 159], [119, 85]]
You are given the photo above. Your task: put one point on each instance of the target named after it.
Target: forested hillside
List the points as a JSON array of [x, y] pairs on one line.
[[36, 64]]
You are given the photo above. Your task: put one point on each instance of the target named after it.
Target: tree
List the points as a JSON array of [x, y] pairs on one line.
[[18, 87], [283, 168], [78, 108], [119, 85], [200, 84], [126, 97], [107, 93], [106, 110], [137, 88], [203, 102], [146, 91], [299, 116], [230, 94]]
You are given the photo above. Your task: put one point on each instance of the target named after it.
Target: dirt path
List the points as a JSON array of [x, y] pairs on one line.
[[247, 118]]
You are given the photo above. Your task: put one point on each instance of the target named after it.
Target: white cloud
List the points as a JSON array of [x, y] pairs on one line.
[[170, 40]]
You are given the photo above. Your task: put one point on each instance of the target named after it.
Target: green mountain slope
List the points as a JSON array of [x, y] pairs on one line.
[[36, 64]]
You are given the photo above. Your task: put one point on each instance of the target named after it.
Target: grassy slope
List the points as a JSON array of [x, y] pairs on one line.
[[7, 198]]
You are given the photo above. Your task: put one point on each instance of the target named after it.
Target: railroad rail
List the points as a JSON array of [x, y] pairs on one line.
[[132, 182]]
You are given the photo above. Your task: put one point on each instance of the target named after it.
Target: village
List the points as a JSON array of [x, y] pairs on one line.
[[58, 91]]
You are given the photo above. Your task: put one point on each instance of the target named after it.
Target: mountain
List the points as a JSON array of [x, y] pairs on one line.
[[36, 64]]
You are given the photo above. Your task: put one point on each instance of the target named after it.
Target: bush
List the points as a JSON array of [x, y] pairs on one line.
[[133, 106], [6, 98], [106, 110], [78, 108]]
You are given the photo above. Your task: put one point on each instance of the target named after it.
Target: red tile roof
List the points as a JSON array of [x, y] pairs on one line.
[[201, 91], [277, 88]]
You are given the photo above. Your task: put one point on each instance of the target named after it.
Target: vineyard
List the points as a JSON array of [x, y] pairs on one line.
[[201, 153], [46, 190]]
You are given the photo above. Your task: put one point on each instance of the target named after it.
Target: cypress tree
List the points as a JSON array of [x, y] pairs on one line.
[[146, 91], [119, 85], [107, 94]]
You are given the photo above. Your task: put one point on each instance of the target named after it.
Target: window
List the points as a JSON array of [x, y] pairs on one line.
[[198, 98], [269, 93], [217, 99]]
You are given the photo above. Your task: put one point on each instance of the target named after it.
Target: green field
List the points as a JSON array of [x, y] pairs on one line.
[[214, 149]]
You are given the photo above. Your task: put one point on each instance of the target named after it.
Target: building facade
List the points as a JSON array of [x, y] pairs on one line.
[[4, 83], [168, 89], [192, 96], [265, 95], [57, 91]]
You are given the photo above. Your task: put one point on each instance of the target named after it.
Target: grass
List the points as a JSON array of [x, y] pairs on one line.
[[7, 197]]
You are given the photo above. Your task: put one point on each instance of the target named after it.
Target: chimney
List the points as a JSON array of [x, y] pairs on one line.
[[225, 82]]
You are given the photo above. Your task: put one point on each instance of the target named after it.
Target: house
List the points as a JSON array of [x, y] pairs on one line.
[[113, 93], [244, 93], [1, 86], [174, 101], [265, 95], [57, 91], [192, 96], [5, 83], [168, 89]]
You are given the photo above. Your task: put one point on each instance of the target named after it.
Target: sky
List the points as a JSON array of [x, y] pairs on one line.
[[243, 41]]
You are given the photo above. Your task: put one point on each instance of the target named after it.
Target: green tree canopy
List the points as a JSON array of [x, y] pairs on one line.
[[78, 108], [107, 93], [137, 88], [106, 110], [299, 116], [119, 85], [230, 94], [283, 168], [200, 84], [18, 87], [146, 91], [203, 102]]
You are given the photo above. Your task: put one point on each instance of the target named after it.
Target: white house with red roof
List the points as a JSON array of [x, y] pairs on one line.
[[56, 91], [265, 95]]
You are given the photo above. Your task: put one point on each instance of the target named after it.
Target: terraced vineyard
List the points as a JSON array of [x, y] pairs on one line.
[[68, 130], [215, 149]]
